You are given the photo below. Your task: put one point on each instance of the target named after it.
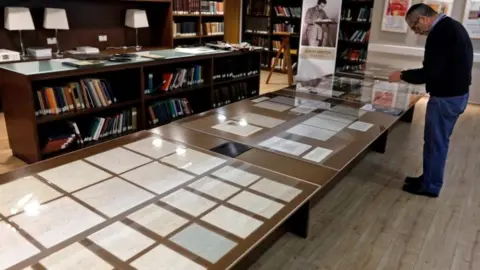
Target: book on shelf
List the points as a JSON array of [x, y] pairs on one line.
[[354, 55], [259, 41], [167, 110], [75, 96], [228, 68], [350, 67], [185, 29], [213, 28], [364, 15], [283, 27], [212, 7], [80, 132], [258, 8], [229, 93], [361, 36], [182, 77], [186, 7], [281, 11]]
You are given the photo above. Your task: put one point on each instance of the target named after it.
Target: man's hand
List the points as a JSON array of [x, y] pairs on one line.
[[395, 76]]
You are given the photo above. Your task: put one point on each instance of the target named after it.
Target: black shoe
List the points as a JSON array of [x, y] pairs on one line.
[[413, 180], [419, 189]]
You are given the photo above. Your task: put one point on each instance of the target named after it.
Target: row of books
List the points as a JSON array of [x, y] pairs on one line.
[[229, 93], [182, 77], [186, 6], [295, 12], [167, 110], [259, 41], [351, 67], [185, 29], [364, 15], [90, 130], [213, 28], [283, 27], [358, 36], [354, 55], [212, 7], [256, 8], [229, 68], [75, 96]]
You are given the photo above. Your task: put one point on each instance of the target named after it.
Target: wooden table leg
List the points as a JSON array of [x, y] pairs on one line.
[[299, 222], [380, 145], [408, 115]]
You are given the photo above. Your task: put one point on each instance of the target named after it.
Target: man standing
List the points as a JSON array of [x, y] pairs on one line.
[[447, 73], [313, 31]]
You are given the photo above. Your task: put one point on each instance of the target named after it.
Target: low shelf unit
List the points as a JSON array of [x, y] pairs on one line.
[[51, 109]]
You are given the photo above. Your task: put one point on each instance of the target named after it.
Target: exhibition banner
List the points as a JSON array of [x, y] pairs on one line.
[[471, 18], [394, 16], [318, 41]]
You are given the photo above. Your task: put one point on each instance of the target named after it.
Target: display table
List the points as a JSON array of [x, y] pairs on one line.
[[144, 202]]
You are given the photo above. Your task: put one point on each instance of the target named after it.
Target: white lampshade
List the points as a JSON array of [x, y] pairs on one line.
[[18, 18], [55, 18], [136, 18]]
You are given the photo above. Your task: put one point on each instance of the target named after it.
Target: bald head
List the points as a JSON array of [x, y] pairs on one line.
[[420, 18], [420, 10]]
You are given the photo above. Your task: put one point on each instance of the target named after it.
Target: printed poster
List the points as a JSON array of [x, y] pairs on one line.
[[394, 16], [471, 18], [318, 42], [444, 7]]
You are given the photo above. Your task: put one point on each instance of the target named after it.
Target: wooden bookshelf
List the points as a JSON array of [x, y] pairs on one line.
[[264, 15], [128, 83], [354, 33], [199, 15]]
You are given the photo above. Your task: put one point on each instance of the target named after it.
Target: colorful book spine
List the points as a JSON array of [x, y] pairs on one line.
[[75, 96]]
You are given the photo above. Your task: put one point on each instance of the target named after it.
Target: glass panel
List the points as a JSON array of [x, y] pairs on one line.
[[312, 128]]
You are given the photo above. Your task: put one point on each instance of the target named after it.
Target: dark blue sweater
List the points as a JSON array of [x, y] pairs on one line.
[[447, 63]]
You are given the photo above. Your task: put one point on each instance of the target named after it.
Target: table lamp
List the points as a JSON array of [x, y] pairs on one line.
[[136, 18], [18, 19], [55, 18]]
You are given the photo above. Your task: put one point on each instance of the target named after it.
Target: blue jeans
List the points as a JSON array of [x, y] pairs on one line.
[[440, 119]]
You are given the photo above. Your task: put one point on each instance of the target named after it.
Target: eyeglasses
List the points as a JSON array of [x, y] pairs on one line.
[[415, 24]]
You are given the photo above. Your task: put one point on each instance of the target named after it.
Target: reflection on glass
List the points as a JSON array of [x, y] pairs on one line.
[[243, 122], [29, 205], [221, 117], [157, 142], [181, 151]]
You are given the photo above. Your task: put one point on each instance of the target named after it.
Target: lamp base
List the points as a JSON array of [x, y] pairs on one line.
[[138, 48], [58, 55]]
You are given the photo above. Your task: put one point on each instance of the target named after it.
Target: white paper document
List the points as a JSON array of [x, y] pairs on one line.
[[331, 93], [285, 146], [284, 100], [312, 132], [348, 110], [318, 154], [260, 99], [273, 106], [259, 120], [311, 105], [238, 128], [368, 108], [360, 126], [325, 124], [344, 118]]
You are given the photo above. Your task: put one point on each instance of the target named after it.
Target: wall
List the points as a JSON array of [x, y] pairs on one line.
[[377, 36], [407, 49], [87, 20]]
